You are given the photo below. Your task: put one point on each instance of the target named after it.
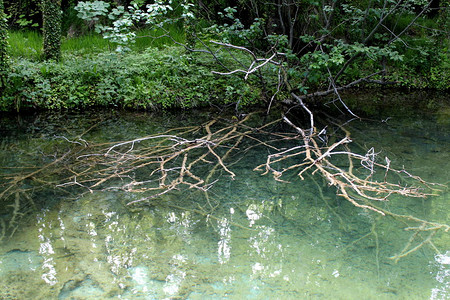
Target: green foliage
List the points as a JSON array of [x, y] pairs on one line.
[[331, 35], [23, 22], [23, 14], [440, 73], [311, 53], [232, 30], [423, 67], [28, 44], [92, 11], [51, 14], [154, 79], [4, 59], [119, 22]]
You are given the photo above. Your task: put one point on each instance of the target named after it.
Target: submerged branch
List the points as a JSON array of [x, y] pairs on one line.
[[197, 157]]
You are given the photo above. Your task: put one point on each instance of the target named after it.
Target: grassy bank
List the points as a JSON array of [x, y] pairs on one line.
[[28, 44], [150, 79], [157, 75], [153, 75]]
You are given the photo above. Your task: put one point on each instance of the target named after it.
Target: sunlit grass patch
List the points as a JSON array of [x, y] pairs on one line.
[[25, 44], [86, 44], [28, 44]]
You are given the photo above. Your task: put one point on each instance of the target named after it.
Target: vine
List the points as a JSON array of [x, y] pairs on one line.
[[51, 12], [4, 65]]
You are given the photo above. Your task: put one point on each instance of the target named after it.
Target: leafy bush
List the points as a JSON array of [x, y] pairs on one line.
[[426, 64], [154, 79]]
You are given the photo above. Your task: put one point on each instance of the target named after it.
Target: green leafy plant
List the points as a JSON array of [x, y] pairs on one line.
[[153, 79], [119, 21], [92, 11]]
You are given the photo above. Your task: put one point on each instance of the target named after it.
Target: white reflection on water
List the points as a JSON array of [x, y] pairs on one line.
[[260, 242], [177, 276], [46, 250], [269, 257], [253, 214], [442, 289], [118, 260], [182, 225], [224, 249], [62, 226], [290, 251]]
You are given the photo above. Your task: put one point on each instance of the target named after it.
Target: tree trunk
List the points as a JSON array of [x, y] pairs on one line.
[[3, 47], [51, 15]]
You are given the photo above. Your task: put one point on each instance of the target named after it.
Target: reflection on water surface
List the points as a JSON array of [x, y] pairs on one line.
[[252, 238]]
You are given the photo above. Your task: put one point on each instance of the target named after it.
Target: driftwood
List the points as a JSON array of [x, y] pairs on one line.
[[196, 157]]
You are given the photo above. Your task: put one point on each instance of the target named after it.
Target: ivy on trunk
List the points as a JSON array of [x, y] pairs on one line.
[[3, 46], [51, 14]]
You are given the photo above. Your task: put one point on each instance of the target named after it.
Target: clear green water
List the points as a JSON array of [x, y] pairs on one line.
[[263, 239]]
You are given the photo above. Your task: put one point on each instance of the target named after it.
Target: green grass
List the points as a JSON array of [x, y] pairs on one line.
[[148, 37], [86, 44], [25, 44], [28, 44]]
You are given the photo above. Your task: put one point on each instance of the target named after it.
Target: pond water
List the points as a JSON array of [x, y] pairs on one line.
[[251, 238]]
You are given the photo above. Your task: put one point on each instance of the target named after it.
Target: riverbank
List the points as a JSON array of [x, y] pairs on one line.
[[149, 80], [159, 78]]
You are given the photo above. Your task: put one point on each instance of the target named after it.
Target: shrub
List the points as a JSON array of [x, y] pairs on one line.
[[153, 79]]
